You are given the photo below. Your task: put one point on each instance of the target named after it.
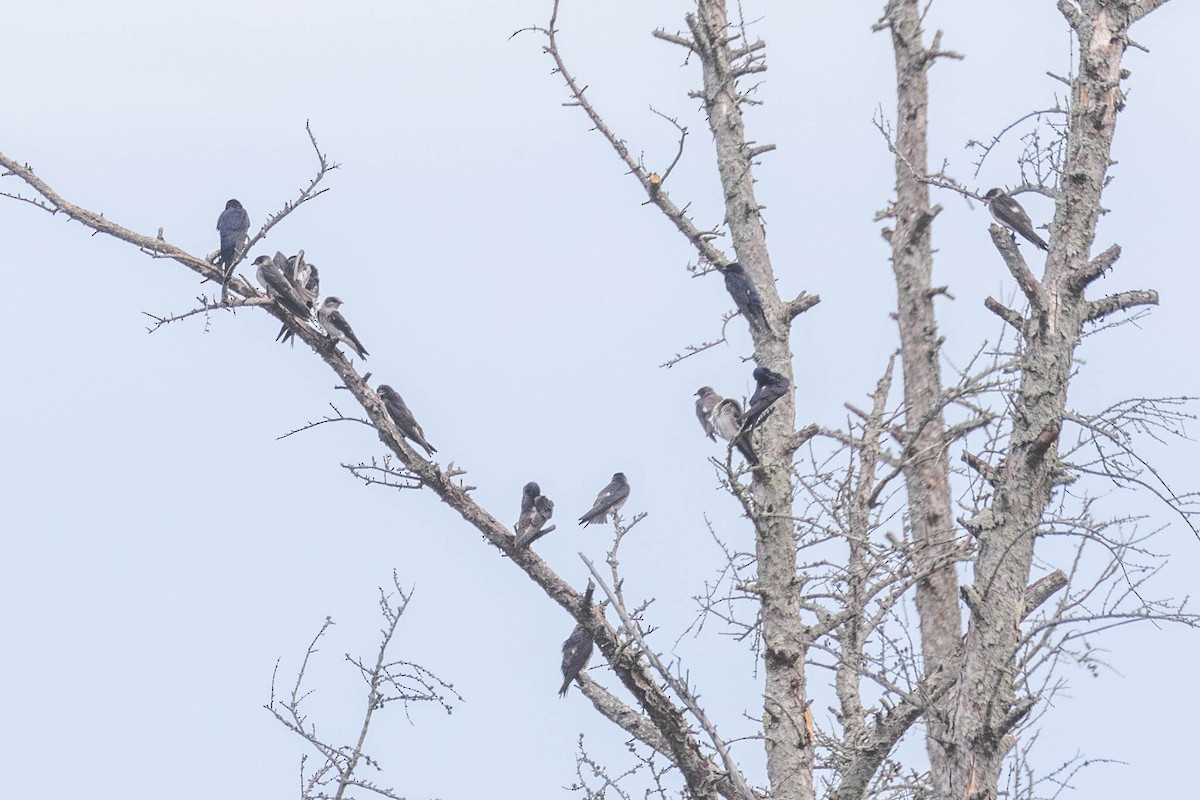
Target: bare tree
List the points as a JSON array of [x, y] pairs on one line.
[[858, 571]]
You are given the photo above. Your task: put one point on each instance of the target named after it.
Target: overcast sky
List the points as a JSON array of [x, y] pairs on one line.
[[163, 549]]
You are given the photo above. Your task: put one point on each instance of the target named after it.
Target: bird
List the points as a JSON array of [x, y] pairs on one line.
[[705, 405], [744, 294], [722, 416], [577, 649], [609, 501], [727, 418], [536, 509], [403, 418], [271, 278], [306, 280], [336, 326], [234, 227], [771, 387], [1008, 212]]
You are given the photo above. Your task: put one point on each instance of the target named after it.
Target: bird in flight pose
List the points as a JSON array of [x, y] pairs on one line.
[[1008, 212]]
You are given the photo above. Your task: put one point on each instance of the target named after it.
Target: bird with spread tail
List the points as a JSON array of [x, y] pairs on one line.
[[1008, 212], [608, 502], [404, 419]]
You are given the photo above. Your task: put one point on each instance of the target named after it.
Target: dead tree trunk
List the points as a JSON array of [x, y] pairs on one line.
[[926, 467], [788, 747], [988, 706]]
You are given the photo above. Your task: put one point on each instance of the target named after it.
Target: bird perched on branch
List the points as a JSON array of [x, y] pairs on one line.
[[577, 649], [608, 502], [1008, 212], [536, 510], [403, 418], [722, 416], [336, 326], [271, 278], [771, 387], [706, 403], [234, 227], [306, 280], [744, 293]]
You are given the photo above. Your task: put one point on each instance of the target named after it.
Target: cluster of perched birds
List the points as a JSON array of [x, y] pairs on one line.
[[295, 285]]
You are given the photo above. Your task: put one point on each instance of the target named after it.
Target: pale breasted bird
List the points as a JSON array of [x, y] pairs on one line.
[[1008, 212], [337, 327], [608, 502]]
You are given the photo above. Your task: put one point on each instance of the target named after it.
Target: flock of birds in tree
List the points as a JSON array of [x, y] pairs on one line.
[[295, 284]]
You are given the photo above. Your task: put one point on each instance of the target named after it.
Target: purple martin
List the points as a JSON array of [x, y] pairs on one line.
[[771, 387], [744, 294], [336, 326], [271, 278], [608, 502], [306, 281], [577, 649], [536, 509], [1008, 212], [722, 416], [403, 418], [727, 418], [706, 404], [234, 227]]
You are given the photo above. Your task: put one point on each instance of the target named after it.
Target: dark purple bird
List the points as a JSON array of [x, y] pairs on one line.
[[745, 294], [234, 226], [771, 387]]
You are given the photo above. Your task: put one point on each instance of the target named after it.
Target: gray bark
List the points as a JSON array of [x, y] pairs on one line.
[[788, 747], [926, 466], [988, 706]]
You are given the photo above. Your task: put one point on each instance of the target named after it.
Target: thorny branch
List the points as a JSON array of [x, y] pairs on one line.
[[387, 681]]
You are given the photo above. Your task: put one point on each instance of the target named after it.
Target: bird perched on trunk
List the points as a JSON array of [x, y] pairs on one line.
[[403, 418], [744, 294], [608, 502], [536, 510], [306, 280], [336, 326], [771, 387], [234, 227], [271, 278], [577, 649], [1008, 212]]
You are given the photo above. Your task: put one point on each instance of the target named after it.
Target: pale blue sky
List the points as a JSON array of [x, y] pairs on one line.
[[163, 549]]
